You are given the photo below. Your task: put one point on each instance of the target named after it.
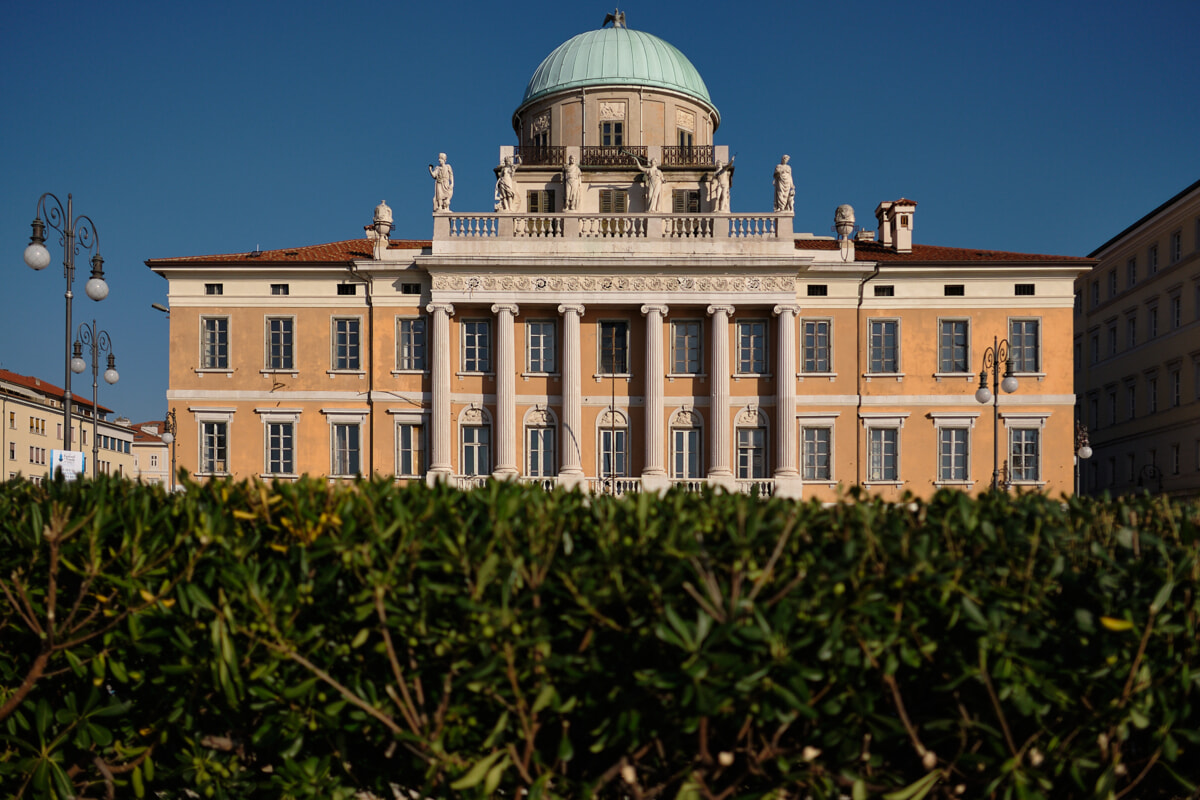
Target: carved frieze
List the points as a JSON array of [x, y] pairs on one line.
[[607, 419], [751, 417], [615, 283], [612, 109], [541, 122], [685, 120]]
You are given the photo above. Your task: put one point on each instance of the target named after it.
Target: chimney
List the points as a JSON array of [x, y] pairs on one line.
[[903, 211], [883, 213]]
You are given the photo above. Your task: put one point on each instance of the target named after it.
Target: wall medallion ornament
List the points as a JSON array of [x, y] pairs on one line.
[[472, 416], [751, 417]]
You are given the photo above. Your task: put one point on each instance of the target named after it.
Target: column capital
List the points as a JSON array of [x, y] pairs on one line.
[[576, 307], [726, 310], [511, 308], [649, 307], [786, 308], [433, 308]]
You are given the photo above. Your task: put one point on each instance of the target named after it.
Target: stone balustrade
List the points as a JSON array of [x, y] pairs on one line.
[[716, 227]]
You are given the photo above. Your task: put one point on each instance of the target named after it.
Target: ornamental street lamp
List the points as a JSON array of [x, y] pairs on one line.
[[1083, 451], [993, 357], [169, 430], [76, 232], [99, 342]]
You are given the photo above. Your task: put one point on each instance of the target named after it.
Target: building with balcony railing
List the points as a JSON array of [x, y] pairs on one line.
[[612, 324]]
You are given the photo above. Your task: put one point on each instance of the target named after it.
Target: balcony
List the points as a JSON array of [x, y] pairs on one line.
[[700, 155], [544, 156], [615, 486], [713, 227], [612, 156]]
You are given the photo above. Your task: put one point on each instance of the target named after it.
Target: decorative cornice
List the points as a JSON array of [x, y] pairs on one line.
[[612, 283]]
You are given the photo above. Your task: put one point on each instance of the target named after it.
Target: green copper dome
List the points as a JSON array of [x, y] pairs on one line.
[[616, 57]]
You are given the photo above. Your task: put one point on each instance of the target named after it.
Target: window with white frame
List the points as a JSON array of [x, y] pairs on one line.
[[816, 450], [953, 344], [1131, 399], [281, 448], [1176, 311], [953, 452], [410, 344], [1112, 283], [1152, 319], [817, 346], [214, 447], [687, 441], [1024, 339], [751, 453], [540, 461], [346, 344], [476, 449], [614, 347], [214, 352], [1024, 455], [346, 448], [686, 348], [279, 343], [410, 448], [1176, 246], [1130, 272], [752, 347], [614, 445], [612, 133], [883, 454], [1152, 395], [883, 345], [1152, 258], [541, 346], [476, 345], [1175, 386], [1131, 331]]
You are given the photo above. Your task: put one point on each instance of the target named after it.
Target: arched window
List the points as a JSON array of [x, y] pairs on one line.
[[541, 451]]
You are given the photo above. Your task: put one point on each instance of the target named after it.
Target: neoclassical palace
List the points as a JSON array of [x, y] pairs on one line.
[[612, 323]]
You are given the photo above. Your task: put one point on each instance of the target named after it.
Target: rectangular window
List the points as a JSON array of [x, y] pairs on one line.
[[214, 288], [818, 290], [410, 288], [883, 451], [1131, 401], [817, 346], [215, 346], [1176, 312], [685, 138], [884, 343], [815, 451], [1152, 259], [1176, 387], [1024, 290], [685, 347], [540, 201], [346, 451], [685, 201], [12, 420], [542, 349], [686, 444], [752, 347], [346, 344], [952, 346], [885, 291], [614, 347], [1176, 246], [1112, 283], [614, 201], [477, 345], [477, 450], [1024, 459], [1152, 395], [952, 454], [279, 343], [613, 453], [280, 448], [751, 454], [1024, 338], [1112, 407], [279, 289], [1152, 318], [1095, 293], [1130, 272], [410, 343], [214, 446], [612, 133], [1112, 340], [410, 449], [1131, 332], [954, 290], [347, 289], [540, 452]]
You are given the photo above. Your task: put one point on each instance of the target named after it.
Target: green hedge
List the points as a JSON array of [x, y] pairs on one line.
[[302, 640]]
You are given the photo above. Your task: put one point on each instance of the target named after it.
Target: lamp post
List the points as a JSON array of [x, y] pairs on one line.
[[1083, 451], [99, 342], [999, 353], [76, 232], [170, 427]]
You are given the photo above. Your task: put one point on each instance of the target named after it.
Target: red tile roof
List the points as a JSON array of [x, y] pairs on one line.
[[931, 254], [331, 253], [47, 389]]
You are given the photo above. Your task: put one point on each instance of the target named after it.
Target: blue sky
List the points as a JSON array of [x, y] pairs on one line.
[[196, 128]]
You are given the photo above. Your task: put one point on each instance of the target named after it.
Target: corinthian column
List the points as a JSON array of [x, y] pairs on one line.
[[787, 477], [719, 471], [571, 472], [440, 446], [506, 393], [654, 476]]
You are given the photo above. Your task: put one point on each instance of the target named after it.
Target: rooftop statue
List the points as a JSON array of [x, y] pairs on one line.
[[718, 189], [507, 198], [654, 183], [785, 190], [572, 179], [443, 184]]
